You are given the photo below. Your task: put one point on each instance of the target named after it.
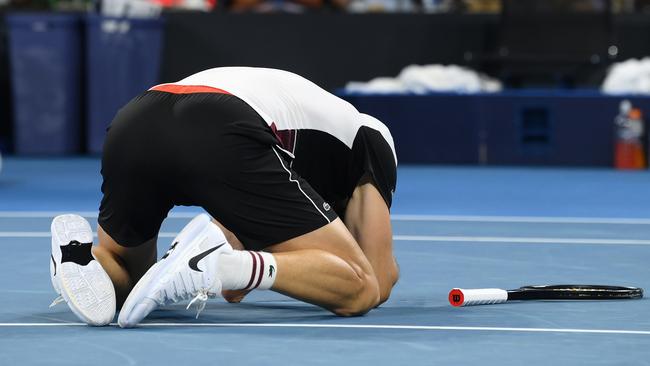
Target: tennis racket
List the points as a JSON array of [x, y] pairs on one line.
[[486, 296]]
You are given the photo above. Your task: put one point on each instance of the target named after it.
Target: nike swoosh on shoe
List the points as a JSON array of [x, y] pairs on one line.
[[194, 261]]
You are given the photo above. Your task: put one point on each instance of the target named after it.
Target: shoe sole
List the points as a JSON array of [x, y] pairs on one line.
[[137, 306], [87, 290]]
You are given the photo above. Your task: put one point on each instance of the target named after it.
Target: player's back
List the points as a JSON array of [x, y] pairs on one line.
[[284, 99]]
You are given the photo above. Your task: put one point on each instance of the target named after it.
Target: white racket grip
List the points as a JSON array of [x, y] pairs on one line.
[[481, 296]]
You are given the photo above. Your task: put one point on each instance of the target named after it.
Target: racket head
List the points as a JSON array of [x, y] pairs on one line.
[[575, 292]]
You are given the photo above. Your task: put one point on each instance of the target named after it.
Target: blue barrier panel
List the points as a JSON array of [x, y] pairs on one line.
[[574, 128], [45, 68], [539, 127], [437, 128], [123, 58]]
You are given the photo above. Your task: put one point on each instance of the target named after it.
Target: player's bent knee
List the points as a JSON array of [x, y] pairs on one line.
[[364, 297], [389, 281]]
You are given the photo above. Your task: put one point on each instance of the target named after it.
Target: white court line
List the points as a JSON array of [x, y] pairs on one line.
[[25, 234], [423, 238], [87, 214], [429, 218], [511, 239], [350, 326], [525, 219]]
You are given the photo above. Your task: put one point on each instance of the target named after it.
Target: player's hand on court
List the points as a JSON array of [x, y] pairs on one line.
[[234, 296]]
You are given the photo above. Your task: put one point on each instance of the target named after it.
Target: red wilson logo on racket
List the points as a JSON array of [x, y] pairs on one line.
[[456, 297]]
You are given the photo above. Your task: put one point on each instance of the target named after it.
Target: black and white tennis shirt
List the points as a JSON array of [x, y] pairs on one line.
[[332, 145]]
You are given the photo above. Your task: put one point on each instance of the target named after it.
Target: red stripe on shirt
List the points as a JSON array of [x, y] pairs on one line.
[[187, 89]]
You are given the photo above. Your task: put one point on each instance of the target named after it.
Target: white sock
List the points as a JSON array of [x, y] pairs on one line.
[[246, 270]]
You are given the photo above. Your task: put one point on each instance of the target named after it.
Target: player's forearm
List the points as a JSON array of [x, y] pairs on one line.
[[368, 220]]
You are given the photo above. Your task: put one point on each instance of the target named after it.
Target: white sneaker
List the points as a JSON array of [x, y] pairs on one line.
[[187, 271], [76, 276]]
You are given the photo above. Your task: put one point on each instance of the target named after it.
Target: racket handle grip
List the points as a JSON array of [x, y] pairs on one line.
[[482, 296]]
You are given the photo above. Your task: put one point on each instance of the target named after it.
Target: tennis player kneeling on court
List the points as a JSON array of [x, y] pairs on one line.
[[299, 184]]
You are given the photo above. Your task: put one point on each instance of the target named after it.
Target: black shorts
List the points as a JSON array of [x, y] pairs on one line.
[[202, 149]]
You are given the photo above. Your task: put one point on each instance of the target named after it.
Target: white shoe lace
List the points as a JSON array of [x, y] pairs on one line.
[[59, 299], [183, 288], [202, 298]]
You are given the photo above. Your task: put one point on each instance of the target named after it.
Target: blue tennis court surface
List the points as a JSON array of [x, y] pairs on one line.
[[454, 227]]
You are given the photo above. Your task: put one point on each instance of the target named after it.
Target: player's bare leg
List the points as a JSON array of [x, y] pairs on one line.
[[326, 267], [124, 265], [368, 220]]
